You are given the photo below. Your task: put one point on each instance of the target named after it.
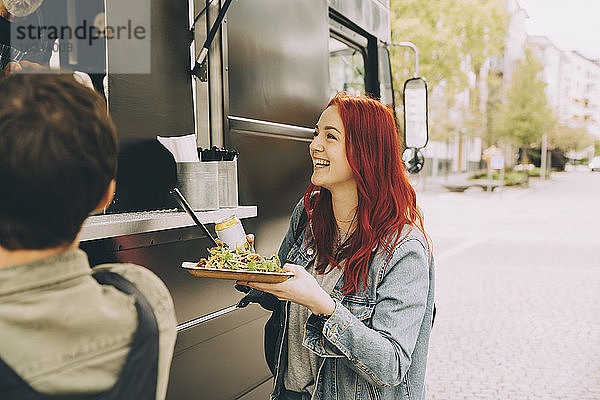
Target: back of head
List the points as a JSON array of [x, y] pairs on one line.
[[58, 153]]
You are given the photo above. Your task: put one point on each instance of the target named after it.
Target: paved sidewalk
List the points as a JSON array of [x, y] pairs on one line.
[[517, 291]]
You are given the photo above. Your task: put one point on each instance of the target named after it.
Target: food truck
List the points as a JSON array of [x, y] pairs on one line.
[[262, 72]]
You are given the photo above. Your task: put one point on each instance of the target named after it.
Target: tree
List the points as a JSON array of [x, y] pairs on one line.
[[494, 103], [454, 38], [525, 116], [444, 118], [570, 138]]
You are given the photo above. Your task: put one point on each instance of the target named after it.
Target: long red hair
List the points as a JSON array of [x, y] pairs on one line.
[[386, 200]]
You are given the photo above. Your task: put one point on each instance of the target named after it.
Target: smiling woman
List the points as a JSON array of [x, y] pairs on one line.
[[328, 152], [357, 315]]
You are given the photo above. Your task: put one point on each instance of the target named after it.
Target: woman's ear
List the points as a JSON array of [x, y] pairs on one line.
[[107, 198]]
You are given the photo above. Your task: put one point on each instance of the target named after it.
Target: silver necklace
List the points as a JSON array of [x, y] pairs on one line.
[[347, 220], [342, 235]]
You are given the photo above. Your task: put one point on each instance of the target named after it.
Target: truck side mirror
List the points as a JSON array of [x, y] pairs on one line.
[[416, 127]]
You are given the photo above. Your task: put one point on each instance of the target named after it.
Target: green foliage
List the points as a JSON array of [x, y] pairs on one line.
[[597, 147], [534, 173], [442, 125], [493, 106], [525, 116], [569, 138], [451, 35], [511, 178]]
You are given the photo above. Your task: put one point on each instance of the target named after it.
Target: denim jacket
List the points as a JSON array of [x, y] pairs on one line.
[[375, 344]]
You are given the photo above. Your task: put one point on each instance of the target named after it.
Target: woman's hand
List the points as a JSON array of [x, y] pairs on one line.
[[249, 238], [302, 289]]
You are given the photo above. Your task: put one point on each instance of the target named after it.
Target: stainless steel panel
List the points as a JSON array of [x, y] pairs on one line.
[[221, 359], [192, 336], [160, 103], [371, 15], [284, 131], [146, 105], [273, 173], [261, 392], [343, 33], [278, 60]]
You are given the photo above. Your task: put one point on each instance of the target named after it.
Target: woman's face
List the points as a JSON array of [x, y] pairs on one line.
[[328, 153]]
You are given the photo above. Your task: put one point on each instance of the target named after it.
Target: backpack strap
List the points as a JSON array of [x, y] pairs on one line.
[[138, 376]]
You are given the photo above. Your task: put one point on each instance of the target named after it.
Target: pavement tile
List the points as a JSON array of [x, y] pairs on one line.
[[515, 306]]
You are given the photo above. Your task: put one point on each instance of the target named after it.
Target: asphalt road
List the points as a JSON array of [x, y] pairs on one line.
[[517, 291]]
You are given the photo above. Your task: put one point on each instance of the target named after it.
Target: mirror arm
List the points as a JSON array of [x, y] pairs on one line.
[[414, 48]]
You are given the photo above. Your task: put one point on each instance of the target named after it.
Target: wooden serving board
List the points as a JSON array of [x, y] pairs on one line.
[[236, 274]]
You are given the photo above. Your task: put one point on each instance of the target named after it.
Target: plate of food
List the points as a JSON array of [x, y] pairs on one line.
[[240, 265]]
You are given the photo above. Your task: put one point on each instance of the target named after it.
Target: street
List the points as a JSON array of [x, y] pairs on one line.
[[517, 291]]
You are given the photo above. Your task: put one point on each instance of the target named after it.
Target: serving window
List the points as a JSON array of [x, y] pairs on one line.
[[347, 71]]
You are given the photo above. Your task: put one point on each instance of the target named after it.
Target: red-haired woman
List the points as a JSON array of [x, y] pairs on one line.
[[354, 321]]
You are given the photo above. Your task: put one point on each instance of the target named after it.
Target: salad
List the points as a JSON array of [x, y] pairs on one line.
[[222, 257]]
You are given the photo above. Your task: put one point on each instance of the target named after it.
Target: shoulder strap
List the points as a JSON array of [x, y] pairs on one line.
[[138, 376]]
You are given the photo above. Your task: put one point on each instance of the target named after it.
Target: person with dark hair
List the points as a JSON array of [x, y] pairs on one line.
[[355, 319], [68, 330]]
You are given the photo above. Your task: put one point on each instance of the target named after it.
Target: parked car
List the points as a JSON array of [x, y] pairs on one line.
[[595, 164]]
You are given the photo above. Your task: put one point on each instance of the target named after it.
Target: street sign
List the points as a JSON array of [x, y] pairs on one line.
[[497, 162]]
